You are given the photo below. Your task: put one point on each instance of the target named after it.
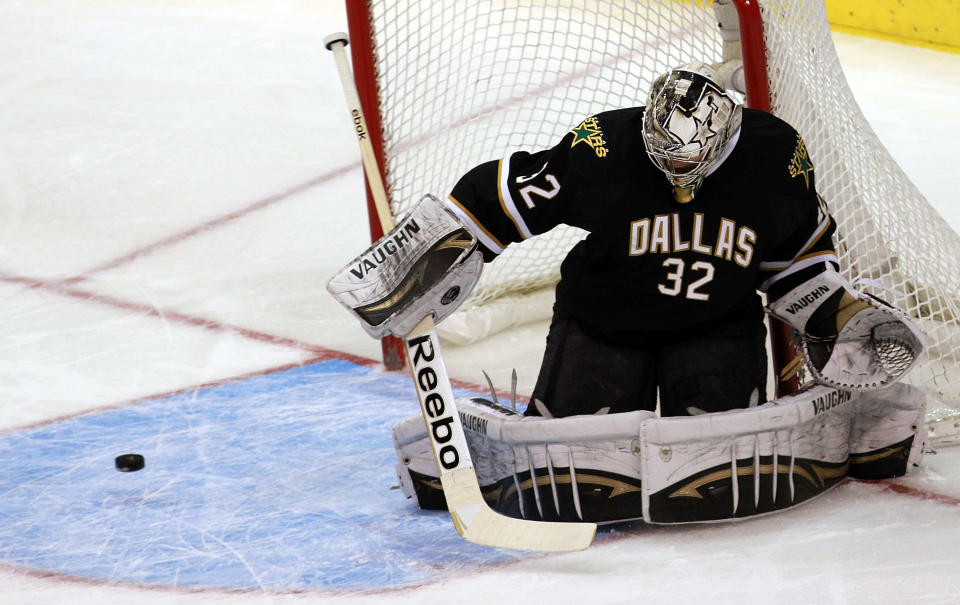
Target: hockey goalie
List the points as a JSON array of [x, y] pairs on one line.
[[651, 400]]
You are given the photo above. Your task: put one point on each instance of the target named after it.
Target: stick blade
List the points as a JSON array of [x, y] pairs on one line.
[[478, 523], [498, 531]]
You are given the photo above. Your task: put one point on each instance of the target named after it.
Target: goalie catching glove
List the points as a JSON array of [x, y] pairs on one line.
[[850, 340], [427, 264]]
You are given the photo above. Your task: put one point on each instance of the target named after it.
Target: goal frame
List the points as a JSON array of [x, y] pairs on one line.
[[361, 50]]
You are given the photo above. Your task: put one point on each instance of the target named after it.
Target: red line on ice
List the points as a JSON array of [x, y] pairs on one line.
[[64, 289], [317, 353], [906, 490], [213, 223]]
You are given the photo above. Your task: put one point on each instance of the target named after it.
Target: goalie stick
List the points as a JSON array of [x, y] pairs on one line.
[[471, 515]]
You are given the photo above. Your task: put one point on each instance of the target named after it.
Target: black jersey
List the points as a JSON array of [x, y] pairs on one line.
[[650, 266]]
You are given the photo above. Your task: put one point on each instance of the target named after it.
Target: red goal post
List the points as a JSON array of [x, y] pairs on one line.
[[364, 75], [447, 85]]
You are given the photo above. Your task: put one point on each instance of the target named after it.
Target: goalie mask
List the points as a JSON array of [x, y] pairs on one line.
[[689, 120]]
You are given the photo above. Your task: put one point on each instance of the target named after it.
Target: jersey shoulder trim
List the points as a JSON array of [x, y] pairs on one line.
[[507, 203], [483, 234], [818, 258], [822, 229]]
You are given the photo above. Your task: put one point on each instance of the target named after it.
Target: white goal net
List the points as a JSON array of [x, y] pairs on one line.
[[460, 82]]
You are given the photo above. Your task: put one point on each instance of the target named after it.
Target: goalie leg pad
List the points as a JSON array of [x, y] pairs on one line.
[[889, 437], [711, 467], [580, 468], [742, 463], [417, 466]]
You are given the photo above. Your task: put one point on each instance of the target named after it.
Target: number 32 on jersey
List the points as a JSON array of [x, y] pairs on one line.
[[703, 274]]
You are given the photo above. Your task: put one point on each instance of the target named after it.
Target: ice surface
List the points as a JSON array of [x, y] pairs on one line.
[[278, 482], [177, 182]]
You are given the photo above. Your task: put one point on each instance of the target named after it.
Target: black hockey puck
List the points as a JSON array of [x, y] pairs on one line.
[[127, 463]]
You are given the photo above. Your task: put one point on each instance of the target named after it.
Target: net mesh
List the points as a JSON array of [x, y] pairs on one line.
[[466, 81], [891, 241]]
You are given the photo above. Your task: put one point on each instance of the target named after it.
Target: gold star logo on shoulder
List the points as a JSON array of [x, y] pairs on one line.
[[800, 164], [589, 132]]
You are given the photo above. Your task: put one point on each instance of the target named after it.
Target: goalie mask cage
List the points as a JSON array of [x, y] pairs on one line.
[[448, 85]]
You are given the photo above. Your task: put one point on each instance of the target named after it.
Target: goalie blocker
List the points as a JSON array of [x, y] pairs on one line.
[[712, 467], [427, 264]]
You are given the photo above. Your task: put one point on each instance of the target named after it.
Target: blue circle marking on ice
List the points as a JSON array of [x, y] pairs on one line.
[[279, 482]]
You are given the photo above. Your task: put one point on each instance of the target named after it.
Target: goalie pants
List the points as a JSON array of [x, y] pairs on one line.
[[719, 370]]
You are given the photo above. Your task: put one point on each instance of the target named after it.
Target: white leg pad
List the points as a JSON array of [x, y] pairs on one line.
[[580, 468], [711, 467], [417, 466], [742, 463], [889, 436]]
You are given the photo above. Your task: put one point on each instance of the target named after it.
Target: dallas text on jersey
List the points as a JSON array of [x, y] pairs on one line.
[[662, 234]]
